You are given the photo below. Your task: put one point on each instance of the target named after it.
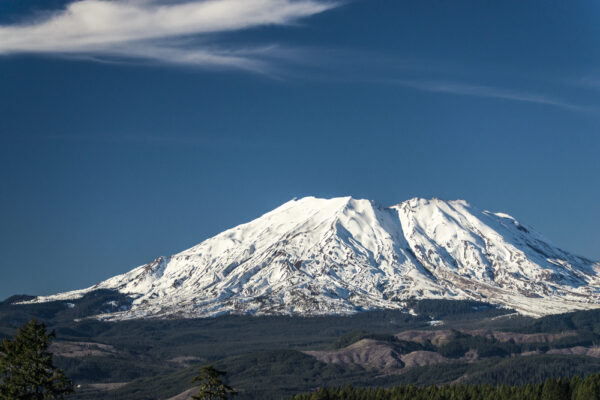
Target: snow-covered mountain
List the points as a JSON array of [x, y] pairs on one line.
[[336, 256]]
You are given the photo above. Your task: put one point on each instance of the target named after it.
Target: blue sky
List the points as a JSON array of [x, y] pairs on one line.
[[131, 129]]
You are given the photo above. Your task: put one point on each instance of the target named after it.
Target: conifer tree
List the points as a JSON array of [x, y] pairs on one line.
[[27, 371], [211, 385]]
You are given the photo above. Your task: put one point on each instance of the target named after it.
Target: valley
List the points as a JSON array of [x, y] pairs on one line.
[[273, 357]]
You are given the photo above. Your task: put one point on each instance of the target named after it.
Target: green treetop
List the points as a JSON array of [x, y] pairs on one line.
[[211, 385], [26, 368]]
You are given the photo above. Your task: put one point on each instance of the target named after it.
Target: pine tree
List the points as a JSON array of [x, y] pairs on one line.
[[212, 387], [26, 368], [554, 389]]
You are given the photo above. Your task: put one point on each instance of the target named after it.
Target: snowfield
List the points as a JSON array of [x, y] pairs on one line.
[[338, 256]]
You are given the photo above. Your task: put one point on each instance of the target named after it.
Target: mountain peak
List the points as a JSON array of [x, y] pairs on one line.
[[313, 256]]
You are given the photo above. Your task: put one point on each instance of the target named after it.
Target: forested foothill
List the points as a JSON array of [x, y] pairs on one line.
[[272, 357], [551, 389]]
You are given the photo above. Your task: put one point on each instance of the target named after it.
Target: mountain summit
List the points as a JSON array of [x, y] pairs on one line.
[[337, 256]]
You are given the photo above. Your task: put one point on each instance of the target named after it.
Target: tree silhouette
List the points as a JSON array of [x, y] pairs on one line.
[[211, 386], [26, 368]]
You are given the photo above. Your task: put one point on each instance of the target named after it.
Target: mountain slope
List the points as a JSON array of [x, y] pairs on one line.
[[325, 256]]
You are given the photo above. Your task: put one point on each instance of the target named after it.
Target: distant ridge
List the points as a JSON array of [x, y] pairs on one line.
[[314, 256]]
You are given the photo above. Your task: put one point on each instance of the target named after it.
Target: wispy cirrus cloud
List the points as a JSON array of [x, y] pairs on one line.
[[590, 82], [156, 30], [466, 89]]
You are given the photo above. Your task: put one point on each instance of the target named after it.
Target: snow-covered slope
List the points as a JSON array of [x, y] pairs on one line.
[[330, 256]]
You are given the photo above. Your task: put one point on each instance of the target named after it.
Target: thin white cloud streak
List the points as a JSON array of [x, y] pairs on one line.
[[151, 29], [487, 91], [587, 82]]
